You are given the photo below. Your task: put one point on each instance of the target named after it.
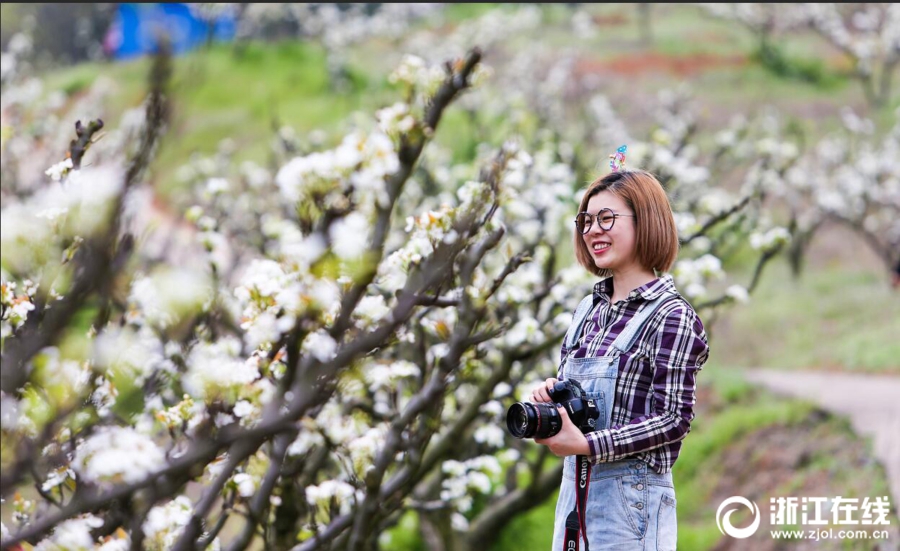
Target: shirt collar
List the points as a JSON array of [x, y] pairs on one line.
[[603, 289]]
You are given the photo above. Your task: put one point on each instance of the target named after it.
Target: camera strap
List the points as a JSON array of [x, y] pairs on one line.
[[575, 520]]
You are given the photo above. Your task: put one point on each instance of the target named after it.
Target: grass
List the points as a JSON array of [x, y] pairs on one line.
[[243, 94], [532, 530], [460, 13], [837, 318], [698, 471]]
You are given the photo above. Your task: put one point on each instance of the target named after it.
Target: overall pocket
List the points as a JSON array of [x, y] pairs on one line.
[[633, 491], [667, 523]]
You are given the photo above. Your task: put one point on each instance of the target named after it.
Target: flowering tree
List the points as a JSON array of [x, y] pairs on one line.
[[308, 417], [334, 26], [869, 34], [851, 177]]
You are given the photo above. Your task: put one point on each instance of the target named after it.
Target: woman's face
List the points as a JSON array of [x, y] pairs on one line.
[[615, 248]]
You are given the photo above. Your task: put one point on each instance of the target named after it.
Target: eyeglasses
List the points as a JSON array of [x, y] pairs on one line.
[[606, 218]]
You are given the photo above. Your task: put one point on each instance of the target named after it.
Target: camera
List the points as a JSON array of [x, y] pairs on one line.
[[528, 420]]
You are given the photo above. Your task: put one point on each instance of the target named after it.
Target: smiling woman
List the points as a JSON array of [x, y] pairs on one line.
[[635, 346]]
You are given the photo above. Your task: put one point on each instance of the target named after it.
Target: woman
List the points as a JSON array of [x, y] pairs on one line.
[[635, 346]]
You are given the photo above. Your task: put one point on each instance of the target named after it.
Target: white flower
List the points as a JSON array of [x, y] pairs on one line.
[[494, 408], [223, 419], [57, 171], [479, 482], [525, 330], [117, 454], [167, 296], [395, 119], [9, 412], [165, 522], [243, 408], [116, 544], [459, 522], [264, 329], [52, 213], [350, 235], [769, 240], [695, 290], [70, 535], [265, 277], [57, 477], [509, 455], [490, 434], [104, 396], [738, 293], [213, 367], [372, 308], [216, 185], [321, 495], [134, 353], [502, 389], [363, 449], [305, 441], [321, 345], [686, 223], [453, 468], [710, 266], [385, 376], [245, 483]]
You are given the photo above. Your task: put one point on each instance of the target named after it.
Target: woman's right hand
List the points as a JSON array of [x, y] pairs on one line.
[[540, 392]]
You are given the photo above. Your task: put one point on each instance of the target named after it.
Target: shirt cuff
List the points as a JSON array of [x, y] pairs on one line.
[[601, 445]]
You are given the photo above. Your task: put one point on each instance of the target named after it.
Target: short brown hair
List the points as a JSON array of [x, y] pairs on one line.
[[656, 236]]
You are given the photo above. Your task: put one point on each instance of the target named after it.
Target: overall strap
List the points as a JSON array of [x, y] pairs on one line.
[[573, 335], [634, 326]]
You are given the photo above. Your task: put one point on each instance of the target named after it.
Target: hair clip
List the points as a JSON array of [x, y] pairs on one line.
[[617, 161]]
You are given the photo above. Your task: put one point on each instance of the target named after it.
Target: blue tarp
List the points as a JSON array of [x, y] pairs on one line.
[[136, 29]]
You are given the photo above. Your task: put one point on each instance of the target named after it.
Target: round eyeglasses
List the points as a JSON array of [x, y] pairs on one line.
[[606, 218]]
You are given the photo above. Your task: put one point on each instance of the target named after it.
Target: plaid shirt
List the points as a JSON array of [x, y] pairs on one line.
[[661, 367]]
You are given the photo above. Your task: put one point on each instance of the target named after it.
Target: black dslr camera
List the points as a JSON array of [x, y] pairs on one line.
[[541, 420]]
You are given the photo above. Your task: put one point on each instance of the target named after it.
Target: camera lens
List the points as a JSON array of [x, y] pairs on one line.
[[527, 420], [517, 420]]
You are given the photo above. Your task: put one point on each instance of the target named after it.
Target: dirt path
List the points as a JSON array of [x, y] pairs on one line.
[[871, 402]]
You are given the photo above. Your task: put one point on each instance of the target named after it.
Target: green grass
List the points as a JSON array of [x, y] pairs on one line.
[[460, 13], [696, 473], [238, 93], [835, 318], [532, 530]]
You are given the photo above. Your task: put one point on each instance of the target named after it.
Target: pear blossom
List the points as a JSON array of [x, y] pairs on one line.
[[113, 454], [738, 293], [72, 534], [57, 171], [165, 522], [321, 495], [217, 367]]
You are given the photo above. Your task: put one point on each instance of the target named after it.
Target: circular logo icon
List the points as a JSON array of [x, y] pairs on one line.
[[724, 522]]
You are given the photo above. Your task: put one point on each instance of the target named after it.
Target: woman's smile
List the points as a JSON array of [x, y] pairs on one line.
[[600, 247]]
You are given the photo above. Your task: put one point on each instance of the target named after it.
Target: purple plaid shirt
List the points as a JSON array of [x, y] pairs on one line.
[[661, 367]]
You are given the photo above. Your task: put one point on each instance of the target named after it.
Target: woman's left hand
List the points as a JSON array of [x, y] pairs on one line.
[[568, 441]]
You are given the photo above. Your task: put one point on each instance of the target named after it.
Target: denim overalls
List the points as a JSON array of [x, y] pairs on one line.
[[629, 506]]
